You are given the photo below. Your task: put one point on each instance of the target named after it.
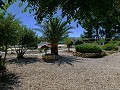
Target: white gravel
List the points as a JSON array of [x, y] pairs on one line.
[[73, 73]]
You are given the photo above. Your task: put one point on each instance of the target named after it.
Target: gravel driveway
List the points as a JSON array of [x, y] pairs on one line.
[[68, 73]]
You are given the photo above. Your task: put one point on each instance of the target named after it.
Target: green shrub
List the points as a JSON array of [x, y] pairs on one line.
[[110, 46], [88, 48], [101, 41], [112, 41], [118, 43]]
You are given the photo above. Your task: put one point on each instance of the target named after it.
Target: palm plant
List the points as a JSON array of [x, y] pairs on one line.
[[54, 31]]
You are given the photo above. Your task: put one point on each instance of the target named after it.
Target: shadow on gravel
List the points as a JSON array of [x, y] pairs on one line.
[[65, 59], [24, 61], [8, 81]]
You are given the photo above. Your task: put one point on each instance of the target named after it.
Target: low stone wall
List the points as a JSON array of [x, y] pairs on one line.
[[48, 57], [89, 55]]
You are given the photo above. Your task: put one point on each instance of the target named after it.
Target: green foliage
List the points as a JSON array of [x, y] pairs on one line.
[[78, 9], [112, 42], [54, 31], [118, 43], [90, 14], [9, 28], [4, 4], [67, 41], [27, 40], [101, 41], [88, 48], [110, 46]]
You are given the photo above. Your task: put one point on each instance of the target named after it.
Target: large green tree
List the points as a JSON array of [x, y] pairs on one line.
[[80, 11], [54, 31], [77, 10], [9, 28], [27, 39], [73, 9]]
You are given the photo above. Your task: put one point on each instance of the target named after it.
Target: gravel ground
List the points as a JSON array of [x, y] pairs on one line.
[[68, 73]]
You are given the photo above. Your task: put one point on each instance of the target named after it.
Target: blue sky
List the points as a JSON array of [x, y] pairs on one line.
[[28, 19]]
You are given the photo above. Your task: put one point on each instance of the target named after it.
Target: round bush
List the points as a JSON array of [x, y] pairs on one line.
[[88, 48], [110, 47]]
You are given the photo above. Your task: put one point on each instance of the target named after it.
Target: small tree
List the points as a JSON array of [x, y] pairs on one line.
[[27, 40], [54, 31], [9, 28], [68, 42]]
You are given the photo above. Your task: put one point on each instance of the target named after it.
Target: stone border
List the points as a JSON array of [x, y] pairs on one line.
[[48, 57], [89, 55]]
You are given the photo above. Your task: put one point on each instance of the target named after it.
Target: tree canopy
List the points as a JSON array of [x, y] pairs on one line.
[[68, 42], [4, 4], [88, 13], [75, 9], [9, 28], [27, 40]]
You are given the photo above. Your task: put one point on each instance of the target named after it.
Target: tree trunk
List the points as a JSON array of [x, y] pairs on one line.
[[68, 48], [3, 62], [54, 49], [97, 32], [5, 55], [20, 52], [20, 55]]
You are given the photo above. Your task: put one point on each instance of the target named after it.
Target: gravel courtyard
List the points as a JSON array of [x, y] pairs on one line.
[[68, 73]]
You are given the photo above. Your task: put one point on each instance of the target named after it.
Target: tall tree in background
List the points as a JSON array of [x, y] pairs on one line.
[[88, 26]]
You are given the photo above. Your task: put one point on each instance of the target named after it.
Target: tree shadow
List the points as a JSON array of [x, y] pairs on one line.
[[65, 59], [8, 81], [24, 61]]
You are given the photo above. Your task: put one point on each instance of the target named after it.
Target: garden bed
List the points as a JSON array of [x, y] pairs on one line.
[[89, 55], [110, 52], [48, 57]]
